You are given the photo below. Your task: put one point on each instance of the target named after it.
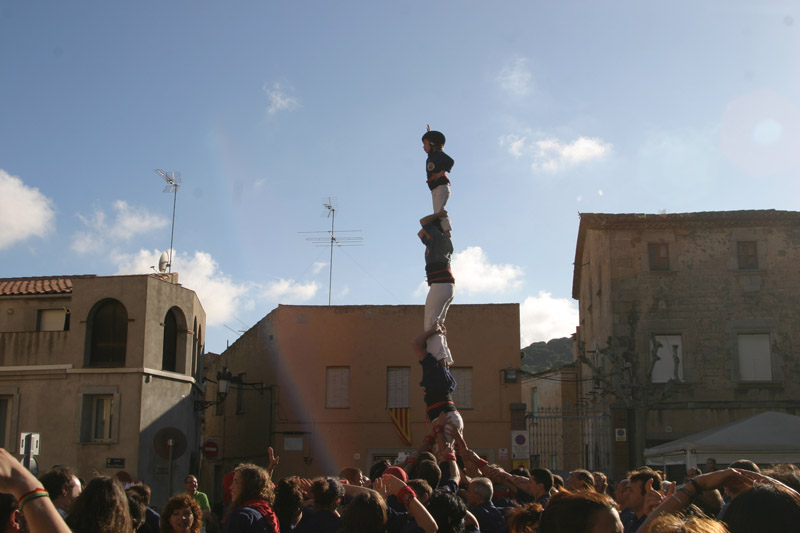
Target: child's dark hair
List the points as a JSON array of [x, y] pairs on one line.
[[436, 138]]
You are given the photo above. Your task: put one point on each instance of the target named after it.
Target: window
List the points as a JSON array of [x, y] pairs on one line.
[[52, 320], [462, 396], [397, 389], [747, 252], [755, 359], [169, 349], [99, 414], [669, 350], [659, 256], [99, 410], [107, 334], [337, 387]]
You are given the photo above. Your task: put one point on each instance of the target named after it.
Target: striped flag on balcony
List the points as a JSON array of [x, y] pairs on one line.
[[401, 418]]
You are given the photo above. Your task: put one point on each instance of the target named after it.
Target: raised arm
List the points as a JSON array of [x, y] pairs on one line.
[[430, 218], [408, 497], [35, 504]]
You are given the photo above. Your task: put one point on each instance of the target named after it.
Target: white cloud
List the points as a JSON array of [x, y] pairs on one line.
[[24, 211], [279, 100], [474, 274], [220, 295], [543, 318], [318, 266], [515, 77], [127, 223], [552, 155], [288, 291]]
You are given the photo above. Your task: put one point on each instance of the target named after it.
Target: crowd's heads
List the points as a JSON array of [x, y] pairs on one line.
[[366, 513], [62, 485], [448, 510], [479, 491], [524, 518], [764, 509], [250, 482], [190, 483], [580, 480], [670, 523], [540, 481], [9, 514], [711, 464], [580, 512], [141, 490], [327, 493], [710, 502], [378, 468], [137, 509], [397, 472], [101, 508], [354, 476], [745, 464], [430, 472], [619, 493], [288, 504], [422, 489], [690, 473], [600, 482], [181, 513], [558, 482], [788, 474], [637, 488]]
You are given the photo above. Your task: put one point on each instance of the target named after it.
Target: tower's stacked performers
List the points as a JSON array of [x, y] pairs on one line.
[[431, 345]]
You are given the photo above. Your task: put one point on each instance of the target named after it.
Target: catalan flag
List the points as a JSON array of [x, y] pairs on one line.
[[401, 418]]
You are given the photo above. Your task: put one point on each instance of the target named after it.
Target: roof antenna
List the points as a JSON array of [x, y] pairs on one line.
[[173, 179], [330, 205]]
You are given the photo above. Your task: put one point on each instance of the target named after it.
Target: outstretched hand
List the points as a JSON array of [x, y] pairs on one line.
[[392, 484], [273, 460], [653, 498]]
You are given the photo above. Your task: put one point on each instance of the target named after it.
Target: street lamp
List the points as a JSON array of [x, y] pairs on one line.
[[224, 380]]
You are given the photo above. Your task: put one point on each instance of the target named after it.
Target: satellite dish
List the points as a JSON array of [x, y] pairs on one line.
[[163, 262], [169, 437]]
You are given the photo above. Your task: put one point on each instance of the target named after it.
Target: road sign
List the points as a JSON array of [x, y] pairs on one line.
[[29, 446], [210, 449]]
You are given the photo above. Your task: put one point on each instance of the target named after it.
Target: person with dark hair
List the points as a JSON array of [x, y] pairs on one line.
[[764, 508], [324, 517], [437, 165], [638, 484], [101, 508], [288, 503], [137, 510], [182, 514], [558, 482], [580, 512], [191, 484], [450, 513], [441, 285], [251, 505], [430, 472], [524, 518], [10, 517], [63, 486], [788, 474], [711, 465], [152, 520], [378, 468], [422, 489], [600, 482]]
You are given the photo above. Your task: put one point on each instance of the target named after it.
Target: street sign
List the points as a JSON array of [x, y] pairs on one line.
[[29, 446], [210, 449]]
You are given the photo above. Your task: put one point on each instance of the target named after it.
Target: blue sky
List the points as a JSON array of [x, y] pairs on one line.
[[268, 108]]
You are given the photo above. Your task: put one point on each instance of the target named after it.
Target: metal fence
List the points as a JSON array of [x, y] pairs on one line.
[[570, 438]]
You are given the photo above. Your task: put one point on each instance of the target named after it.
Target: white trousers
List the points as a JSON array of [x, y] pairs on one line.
[[453, 424], [440, 196], [436, 305]]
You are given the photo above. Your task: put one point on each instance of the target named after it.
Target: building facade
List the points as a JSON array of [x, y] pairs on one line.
[[102, 368], [687, 321], [324, 383]]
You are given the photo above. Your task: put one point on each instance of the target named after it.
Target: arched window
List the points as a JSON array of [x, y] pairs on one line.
[[107, 334], [169, 355]]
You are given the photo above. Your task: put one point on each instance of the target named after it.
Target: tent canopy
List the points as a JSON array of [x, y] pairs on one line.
[[768, 437]]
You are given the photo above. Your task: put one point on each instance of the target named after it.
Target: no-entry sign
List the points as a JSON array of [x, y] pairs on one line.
[[210, 449]]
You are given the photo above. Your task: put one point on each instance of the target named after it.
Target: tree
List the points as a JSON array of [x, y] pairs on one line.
[[627, 376]]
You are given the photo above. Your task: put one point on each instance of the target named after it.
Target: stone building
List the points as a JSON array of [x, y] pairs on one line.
[[319, 384], [687, 322], [102, 369]]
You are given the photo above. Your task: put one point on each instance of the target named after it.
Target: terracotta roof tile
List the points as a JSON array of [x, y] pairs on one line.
[[35, 286]]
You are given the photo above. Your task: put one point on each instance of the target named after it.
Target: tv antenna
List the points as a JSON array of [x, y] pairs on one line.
[[330, 205], [173, 179]]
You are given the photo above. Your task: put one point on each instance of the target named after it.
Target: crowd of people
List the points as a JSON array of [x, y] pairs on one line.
[[444, 487]]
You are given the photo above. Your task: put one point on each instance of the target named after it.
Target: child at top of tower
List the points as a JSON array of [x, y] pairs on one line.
[[437, 166]]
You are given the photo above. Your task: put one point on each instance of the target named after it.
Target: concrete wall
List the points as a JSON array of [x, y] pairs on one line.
[[290, 349]]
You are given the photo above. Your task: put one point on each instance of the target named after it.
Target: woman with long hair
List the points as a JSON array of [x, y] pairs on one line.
[[181, 515], [102, 507], [252, 497]]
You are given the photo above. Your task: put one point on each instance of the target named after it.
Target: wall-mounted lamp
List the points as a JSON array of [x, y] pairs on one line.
[[224, 380]]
